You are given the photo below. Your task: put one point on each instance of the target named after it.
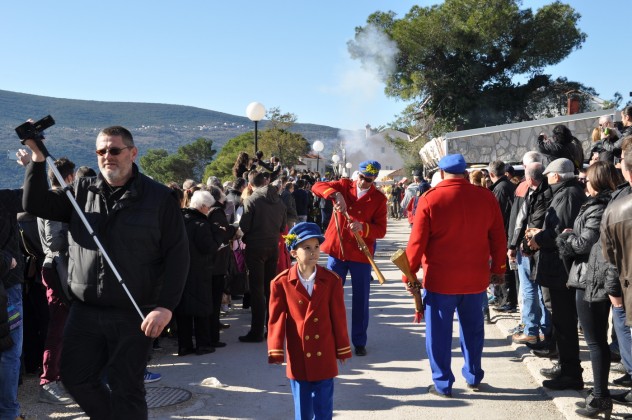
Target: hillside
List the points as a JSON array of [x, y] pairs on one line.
[[154, 126]]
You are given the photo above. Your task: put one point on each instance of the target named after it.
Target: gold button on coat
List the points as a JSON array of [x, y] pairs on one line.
[[319, 354], [307, 337], [316, 337], [308, 354]]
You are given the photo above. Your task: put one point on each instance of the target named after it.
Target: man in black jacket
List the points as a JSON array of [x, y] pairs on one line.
[[504, 190], [551, 272], [263, 221], [138, 221]]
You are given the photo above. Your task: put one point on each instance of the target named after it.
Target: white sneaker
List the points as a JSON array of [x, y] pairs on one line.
[[54, 393]]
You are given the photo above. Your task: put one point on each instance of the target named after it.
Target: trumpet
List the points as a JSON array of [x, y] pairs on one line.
[[400, 259]]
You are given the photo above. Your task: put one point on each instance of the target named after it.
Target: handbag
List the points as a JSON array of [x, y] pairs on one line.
[[237, 283]]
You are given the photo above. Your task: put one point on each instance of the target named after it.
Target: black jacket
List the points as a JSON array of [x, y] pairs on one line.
[[142, 232], [568, 197], [301, 199], [10, 206], [589, 268], [197, 296], [263, 219], [223, 233], [504, 190], [290, 206]]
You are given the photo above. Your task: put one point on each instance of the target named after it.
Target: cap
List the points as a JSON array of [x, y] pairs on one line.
[[561, 165], [370, 168], [302, 232], [453, 164]]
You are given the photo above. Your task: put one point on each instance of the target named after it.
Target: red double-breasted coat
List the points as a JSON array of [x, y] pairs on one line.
[[370, 209], [313, 328]]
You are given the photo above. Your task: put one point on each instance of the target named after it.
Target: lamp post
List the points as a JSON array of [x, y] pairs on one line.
[[335, 159], [255, 112], [348, 165], [318, 147]]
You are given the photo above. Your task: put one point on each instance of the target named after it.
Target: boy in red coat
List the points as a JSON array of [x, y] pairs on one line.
[[307, 312]]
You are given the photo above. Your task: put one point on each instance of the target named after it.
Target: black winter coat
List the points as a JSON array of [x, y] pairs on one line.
[[504, 190], [568, 197], [6, 342], [589, 269], [197, 297], [10, 206], [223, 233]]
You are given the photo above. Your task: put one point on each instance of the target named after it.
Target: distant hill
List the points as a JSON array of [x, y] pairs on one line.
[[154, 126]]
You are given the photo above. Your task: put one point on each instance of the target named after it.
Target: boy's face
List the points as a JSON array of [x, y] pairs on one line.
[[307, 252]]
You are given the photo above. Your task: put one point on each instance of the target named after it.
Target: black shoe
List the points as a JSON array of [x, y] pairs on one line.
[[360, 351], [564, 382], [622, 397], [507, 309], [625, 380], [432, 390], [546, 353], [183, 351], [250, 338], [552, 372], [218, 344], [224, 326], [547, 343], [595, 406], [204, 350]]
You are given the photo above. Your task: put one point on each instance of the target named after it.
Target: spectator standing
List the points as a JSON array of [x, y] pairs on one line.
[[441, 233], [301, 198], [287, 196], [262, 222]]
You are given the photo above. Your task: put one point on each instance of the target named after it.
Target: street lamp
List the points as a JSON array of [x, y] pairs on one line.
[[335, 159], [255, 112], [348, 165], [318, 147]]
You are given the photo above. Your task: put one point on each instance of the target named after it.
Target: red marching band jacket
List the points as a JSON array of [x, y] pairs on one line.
[[370, 209], [313, 328]]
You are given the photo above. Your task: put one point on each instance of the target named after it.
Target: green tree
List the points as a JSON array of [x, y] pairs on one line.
[[222, 165], [188, 162], [458, 62], [277, 140]]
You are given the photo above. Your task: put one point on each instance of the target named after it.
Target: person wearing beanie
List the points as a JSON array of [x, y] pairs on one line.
[[308, 315], [366, 209]]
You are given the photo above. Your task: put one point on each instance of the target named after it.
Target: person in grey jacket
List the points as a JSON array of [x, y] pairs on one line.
[[263, 221], [588, 275]]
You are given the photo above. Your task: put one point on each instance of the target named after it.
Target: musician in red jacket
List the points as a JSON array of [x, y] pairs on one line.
[[458, 226], [366, 207], [307, 312]]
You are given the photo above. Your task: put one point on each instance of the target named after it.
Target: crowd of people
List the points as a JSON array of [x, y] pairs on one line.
[[85, 295]]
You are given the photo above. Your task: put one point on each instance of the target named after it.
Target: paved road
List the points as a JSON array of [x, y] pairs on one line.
[[390, 382]]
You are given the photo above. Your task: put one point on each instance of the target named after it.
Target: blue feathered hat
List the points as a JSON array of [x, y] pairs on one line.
[[302, 232], [370, 168]]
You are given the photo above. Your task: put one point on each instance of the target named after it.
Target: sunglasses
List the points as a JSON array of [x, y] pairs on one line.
[[366, 179], [114, 151]]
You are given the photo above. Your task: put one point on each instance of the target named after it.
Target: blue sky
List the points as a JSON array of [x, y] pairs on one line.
[[222, 55]]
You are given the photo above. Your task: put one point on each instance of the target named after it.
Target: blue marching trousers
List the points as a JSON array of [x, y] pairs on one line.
[[313, 400], [360, 288], [439, 316]]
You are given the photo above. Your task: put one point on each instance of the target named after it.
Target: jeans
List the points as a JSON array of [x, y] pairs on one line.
[[99, 340], [593, 317], [535, 316], [624, 337], [10, 359]]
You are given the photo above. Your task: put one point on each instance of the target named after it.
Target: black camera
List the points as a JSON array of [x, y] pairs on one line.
[[33, 130]]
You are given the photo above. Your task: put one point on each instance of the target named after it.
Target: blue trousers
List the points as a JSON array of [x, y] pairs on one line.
[[623, 337], [10, 359], [439, 316], [535, 316], [313, 400], [360, 288]]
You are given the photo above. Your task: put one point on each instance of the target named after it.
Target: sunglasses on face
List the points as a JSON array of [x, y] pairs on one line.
[[366, 179], [114, 151]]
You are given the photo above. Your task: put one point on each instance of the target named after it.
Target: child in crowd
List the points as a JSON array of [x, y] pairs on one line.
[[307, 312]]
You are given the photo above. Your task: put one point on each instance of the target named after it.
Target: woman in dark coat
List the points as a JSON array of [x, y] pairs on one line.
[[223, 233], [589, 275], [193, 313]]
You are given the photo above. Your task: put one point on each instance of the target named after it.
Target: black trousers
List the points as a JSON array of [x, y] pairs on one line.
[[97, 338], [262, 267], [219, 284], [564, 319], [189, 325], [508, 288], [593, 317]]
